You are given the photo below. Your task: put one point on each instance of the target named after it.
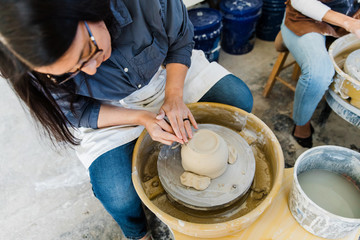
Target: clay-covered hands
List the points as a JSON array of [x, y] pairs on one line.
[[176, 111], [159, 130]]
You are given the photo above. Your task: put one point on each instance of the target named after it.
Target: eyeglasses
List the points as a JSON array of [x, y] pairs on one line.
[[60, 79]]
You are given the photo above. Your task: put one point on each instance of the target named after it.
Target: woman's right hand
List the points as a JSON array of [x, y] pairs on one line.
[[159, 130], [348, 23], [353, 26]]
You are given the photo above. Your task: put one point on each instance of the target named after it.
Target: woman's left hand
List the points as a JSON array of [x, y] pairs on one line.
[[179, 116]]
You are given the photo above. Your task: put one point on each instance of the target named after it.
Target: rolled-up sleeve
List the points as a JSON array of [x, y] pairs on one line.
[[180, 32], [84, 111], [311, 8]]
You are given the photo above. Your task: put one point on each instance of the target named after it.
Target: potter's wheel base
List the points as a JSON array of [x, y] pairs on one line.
[[207, 213], [342, 108]]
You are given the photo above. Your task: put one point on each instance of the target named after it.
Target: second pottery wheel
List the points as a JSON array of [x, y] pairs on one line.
[[224, 190]]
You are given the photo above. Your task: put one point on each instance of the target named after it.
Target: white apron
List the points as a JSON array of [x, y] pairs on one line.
[[201, 76]]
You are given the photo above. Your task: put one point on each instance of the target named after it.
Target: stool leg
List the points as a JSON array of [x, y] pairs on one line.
[[275, 72], [296, 73]]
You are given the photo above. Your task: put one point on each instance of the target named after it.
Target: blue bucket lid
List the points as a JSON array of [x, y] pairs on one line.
[[275, 1], [240, 7], [205, 19]]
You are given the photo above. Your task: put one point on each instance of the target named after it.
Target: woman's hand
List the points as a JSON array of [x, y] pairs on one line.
[[179, 117], [348, 23], [174, 108], [159, 129], [353, 26]]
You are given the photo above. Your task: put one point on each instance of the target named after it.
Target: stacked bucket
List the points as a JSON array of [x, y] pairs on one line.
[[207, 30], [235, 23], [271, 19], [239, 23]]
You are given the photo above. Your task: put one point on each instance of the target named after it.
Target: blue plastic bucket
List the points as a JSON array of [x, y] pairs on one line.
[[280, 2], [271, 18], [239, 35], [269, 23], [207, 30], [274, 6], [234, 9], [239, 22]]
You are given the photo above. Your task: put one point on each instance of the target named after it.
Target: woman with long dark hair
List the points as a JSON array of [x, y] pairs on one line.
[[96, 73]]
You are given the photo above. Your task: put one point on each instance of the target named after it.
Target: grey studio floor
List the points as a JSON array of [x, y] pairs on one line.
[[46, 194]]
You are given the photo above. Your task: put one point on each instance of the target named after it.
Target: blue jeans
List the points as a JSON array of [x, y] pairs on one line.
[[230, 90], [317, 71], [110, 174]]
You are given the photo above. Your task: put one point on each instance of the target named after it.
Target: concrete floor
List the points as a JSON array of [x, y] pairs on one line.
[[46, 194]]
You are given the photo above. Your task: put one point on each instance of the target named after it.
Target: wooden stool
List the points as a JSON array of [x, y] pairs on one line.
[[279, 66]]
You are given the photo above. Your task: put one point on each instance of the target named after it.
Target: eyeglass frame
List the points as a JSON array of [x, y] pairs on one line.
[[72, 75]]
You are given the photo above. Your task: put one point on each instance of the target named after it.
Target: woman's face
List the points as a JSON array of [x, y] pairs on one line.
[[80, 50]]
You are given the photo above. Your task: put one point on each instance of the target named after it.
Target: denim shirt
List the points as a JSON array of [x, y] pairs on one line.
[[149, 33]]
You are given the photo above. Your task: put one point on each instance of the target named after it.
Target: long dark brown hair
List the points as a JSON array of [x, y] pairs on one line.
[[36, 33]]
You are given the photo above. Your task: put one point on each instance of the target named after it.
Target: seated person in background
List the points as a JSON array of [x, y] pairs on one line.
[[305, 25], [107, 70]]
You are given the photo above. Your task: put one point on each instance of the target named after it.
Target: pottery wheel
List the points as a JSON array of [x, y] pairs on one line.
[[222, 191]]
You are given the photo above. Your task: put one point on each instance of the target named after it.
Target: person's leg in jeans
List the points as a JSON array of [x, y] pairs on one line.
[[230, 90], [317, 71], [110, 176]]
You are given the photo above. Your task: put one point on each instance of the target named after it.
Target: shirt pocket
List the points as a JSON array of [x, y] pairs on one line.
[[148, 61]]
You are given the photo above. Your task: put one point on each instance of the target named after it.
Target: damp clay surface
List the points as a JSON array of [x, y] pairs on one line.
[[346, 82], [340, 60], [352, 64], [223, 190], [258, 191]]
